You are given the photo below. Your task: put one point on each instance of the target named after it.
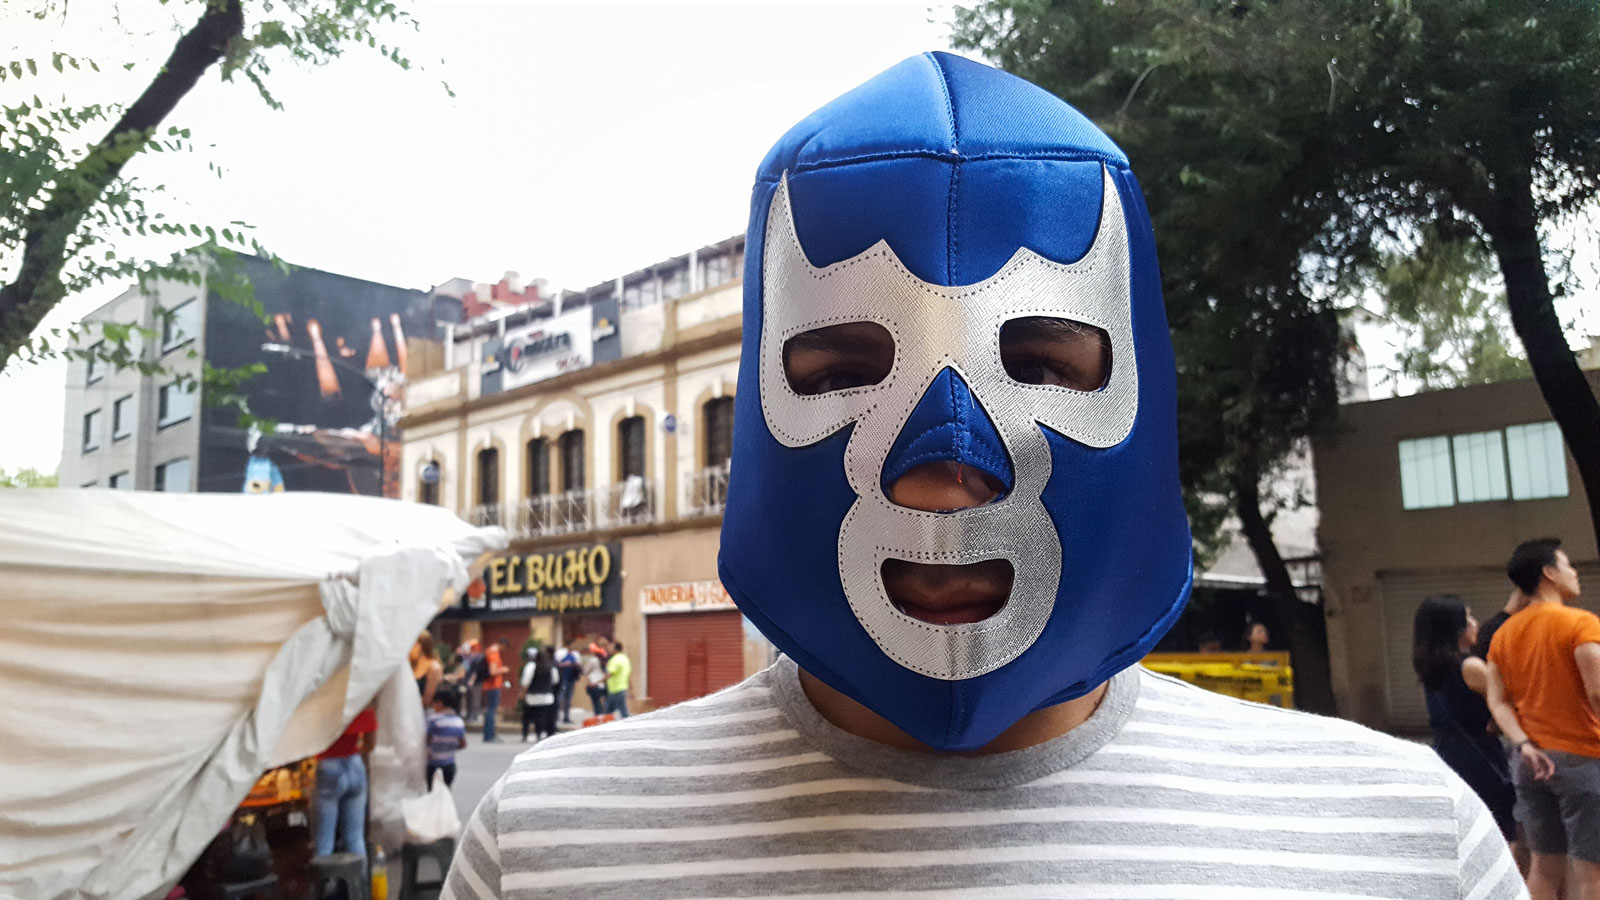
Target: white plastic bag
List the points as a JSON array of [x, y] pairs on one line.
[[432, 816]]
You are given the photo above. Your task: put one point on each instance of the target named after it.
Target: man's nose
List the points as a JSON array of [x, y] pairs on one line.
[[944, 486], [948, 455]]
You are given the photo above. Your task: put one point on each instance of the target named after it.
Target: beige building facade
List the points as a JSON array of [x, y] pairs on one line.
[[1428, 494], [630, 453]]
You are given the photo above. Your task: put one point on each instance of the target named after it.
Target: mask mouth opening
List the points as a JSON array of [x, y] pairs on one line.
[[948, 594]]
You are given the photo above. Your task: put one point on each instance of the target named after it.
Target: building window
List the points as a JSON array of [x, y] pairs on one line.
[[90, 484], [428, 490], [640, 294], [122, 418], [173, 476], [538, 457], [180, 325], [716, 270], [97, 366], [91, 430], [1425, 473], [572, 474], [719, 431], [675, 284], [1538, 461], [630, 447], [1480, 466], [489, 477], [121, 481], [176, 403]]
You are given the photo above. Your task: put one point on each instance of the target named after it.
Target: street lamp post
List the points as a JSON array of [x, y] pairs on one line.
[[377, 391]]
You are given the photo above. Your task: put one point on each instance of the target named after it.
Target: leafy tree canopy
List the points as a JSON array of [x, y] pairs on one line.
[[27, 478], [65, 195]]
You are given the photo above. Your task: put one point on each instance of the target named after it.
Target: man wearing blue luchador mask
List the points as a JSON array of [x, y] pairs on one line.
[[954, 506]]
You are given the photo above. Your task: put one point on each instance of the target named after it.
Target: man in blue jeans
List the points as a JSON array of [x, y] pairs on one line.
[[619, 670], [492, 687], [342, 789]]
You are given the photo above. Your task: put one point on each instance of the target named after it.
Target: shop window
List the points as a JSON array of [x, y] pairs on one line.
[[1425, 473], [1480, 461], [538, 456], [572, 473], [91, 430], [719, 431], [173, 476], [489, 477], [630, 447], [1538, 461]]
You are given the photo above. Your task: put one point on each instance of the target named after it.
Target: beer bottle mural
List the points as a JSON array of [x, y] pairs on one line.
[[335, 354]]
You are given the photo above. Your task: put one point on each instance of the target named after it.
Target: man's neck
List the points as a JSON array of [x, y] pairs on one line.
[[1035, 728], [1547, 594]]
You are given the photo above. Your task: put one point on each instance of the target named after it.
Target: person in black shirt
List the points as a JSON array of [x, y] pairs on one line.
[[1514, 605]]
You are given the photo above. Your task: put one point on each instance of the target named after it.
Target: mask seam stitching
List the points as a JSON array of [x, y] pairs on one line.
[[1106, 159]]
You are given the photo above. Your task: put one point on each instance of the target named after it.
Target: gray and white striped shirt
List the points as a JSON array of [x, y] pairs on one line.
[[1166, 791]]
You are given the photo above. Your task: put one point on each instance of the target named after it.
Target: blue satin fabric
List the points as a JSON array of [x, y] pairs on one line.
[[957, 165]]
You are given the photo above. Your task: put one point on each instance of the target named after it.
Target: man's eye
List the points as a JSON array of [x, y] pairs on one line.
[[838, 357], [1056, 352]]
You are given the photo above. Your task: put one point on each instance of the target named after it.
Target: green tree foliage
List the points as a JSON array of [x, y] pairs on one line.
[[1286, 145], [1257, 343], [1453, 324], [27, 478], [64, 192]]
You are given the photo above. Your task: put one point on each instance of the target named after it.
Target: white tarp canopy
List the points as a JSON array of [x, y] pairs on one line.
[[158, 652]]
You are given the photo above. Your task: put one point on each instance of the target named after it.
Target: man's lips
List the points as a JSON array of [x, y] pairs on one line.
[[948, 595]]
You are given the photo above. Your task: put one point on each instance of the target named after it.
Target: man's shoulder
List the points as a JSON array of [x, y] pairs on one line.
[[1168, 705]]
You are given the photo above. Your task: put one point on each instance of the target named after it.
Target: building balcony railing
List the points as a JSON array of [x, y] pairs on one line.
[[633, 502], [707, 491]]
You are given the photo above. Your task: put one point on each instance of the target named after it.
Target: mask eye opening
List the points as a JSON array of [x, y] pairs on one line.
[[1046, 350], [838, 358]]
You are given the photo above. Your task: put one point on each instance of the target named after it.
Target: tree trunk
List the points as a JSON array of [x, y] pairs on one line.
[[1308, 644], [38, 288], [1514, 234]]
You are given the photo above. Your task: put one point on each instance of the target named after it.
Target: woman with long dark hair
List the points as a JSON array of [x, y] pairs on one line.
[[1453, 683]]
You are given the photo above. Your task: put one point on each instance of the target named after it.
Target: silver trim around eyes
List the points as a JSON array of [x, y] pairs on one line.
[[935, 327]]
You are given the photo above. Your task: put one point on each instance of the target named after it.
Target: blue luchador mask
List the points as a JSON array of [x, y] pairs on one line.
[[944, 206]]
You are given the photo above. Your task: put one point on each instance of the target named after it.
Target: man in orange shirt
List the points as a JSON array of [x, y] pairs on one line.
[[1544, 692], [492, 688]]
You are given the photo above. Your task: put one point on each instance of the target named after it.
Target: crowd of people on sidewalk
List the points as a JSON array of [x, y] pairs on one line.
[[1514, 704]]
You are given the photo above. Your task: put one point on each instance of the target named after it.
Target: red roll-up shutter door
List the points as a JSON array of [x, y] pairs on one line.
[[693, 654]]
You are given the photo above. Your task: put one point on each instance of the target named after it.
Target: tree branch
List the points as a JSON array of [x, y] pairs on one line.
[[38, 288]]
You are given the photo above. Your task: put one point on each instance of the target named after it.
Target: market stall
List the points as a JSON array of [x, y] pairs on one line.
[[163, 651]]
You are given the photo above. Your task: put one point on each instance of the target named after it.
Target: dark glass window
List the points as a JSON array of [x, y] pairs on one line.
[[572, 474], [630, 446], [719, 431], [488, 477], [538, 467]]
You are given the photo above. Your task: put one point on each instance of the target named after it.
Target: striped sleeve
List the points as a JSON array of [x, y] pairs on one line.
[[1483, 860], [475, 871]]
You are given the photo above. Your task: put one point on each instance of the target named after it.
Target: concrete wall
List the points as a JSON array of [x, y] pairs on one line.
[[1367, 537]]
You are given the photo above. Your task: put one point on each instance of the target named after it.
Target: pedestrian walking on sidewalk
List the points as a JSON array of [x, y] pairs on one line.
[[619, 671], [447, 734], [571, 668], [539, 681], [492, 686], [594, 678]]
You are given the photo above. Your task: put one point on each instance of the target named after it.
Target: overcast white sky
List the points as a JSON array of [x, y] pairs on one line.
[[586, 138]]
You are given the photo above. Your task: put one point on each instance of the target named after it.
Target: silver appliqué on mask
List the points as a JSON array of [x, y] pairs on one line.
[[935, 327]]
